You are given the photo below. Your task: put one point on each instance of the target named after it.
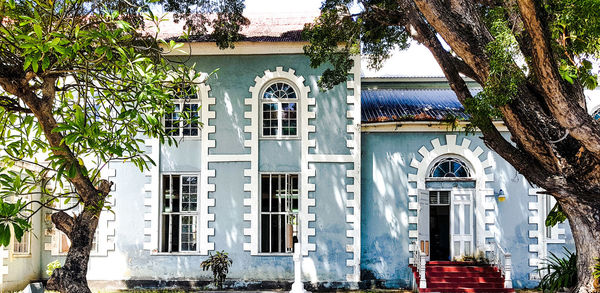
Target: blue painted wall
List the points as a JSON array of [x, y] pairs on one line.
[[385, 167], [386, 161], [230, 86]]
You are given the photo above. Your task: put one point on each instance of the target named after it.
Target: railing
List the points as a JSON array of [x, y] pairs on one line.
[[502, 260], [420, 258]]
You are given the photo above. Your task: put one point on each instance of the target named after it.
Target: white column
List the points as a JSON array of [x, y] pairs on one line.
[[298, 286]]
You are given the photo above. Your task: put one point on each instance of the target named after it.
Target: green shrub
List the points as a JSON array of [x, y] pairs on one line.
[[219, 264], [560, 272], [596, 272], [52, 266]]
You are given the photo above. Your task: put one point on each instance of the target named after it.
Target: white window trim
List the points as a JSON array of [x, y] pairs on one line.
[[197, 214], [251, 173], [182, 103], [260, 212], [263, 101], [27, 234]]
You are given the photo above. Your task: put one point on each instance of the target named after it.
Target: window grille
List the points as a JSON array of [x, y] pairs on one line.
[[279, 213]]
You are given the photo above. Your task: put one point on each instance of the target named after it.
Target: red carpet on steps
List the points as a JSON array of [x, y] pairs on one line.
[[452, 276]]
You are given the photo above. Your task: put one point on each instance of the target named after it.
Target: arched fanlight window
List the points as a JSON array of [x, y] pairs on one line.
[[450, 168], [596, 114], [280, 90]]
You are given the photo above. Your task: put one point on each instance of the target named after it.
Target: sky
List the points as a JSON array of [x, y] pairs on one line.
[[275, 6], [416, 61]]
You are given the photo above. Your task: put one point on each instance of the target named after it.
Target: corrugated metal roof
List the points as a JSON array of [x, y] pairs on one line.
[[289, 36], [380, 105]]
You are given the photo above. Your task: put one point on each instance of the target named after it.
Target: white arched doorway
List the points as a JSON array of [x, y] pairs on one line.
[[450, 200], [446, 208]]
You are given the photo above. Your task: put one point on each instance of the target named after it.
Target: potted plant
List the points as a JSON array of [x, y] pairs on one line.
[[219, 263]]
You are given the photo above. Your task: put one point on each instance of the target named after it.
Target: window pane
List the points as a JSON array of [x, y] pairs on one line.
[[174, 233], [166, 223], [265, 225], [188, 233], [444, 197], [175, 198], [264, 194], [172, 121], [190, 126], [433, 197], [189, 193]]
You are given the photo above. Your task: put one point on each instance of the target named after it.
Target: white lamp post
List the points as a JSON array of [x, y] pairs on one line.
[[298, 286]]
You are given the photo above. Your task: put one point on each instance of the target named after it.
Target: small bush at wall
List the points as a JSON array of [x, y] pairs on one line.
[[596, 273], [559, 272], [219, 263], [478, 258], [52, 266]]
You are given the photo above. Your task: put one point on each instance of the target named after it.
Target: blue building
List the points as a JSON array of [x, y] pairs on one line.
[[368, 177]]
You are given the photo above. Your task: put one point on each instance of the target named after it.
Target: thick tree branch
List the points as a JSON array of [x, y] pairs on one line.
[[63, 222], [522, 161], [562, 101], [459, 25]]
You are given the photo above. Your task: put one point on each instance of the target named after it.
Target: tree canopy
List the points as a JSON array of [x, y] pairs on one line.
[[83, 83]]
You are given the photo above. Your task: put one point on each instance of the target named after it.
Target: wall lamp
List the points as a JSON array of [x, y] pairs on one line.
[[500, 195]]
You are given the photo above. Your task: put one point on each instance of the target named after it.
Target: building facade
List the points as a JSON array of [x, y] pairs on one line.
[[361, 176]]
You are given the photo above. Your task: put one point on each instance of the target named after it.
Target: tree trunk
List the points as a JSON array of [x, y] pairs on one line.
[[72, 276], [584, 219]]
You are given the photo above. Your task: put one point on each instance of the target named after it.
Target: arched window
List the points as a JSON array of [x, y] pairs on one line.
[[279, 110], [596, 114], [450, 167]]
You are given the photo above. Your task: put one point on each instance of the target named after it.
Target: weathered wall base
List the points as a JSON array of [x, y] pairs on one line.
[[248, 285]]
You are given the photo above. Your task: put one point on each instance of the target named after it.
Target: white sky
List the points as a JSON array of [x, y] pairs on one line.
[[276, 6]]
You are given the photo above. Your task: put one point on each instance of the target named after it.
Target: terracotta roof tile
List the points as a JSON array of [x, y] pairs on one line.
[[262, 28]]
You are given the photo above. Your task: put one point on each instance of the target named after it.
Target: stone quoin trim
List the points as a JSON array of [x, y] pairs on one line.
[[252, 230], [3, 263], [205, 202], [106, 223], [484, 201], [537, 216], [152, 196], [353, 202]]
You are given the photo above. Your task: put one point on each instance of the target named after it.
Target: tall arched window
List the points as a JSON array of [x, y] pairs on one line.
[[450, 167], [279, 110]]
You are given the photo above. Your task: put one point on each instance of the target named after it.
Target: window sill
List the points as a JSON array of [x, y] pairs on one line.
[[194, 253], [21, 255], [278, 254], [279, 138], [184, 138]]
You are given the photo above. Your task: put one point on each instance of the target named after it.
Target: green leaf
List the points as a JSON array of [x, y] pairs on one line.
[[38, 30]]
